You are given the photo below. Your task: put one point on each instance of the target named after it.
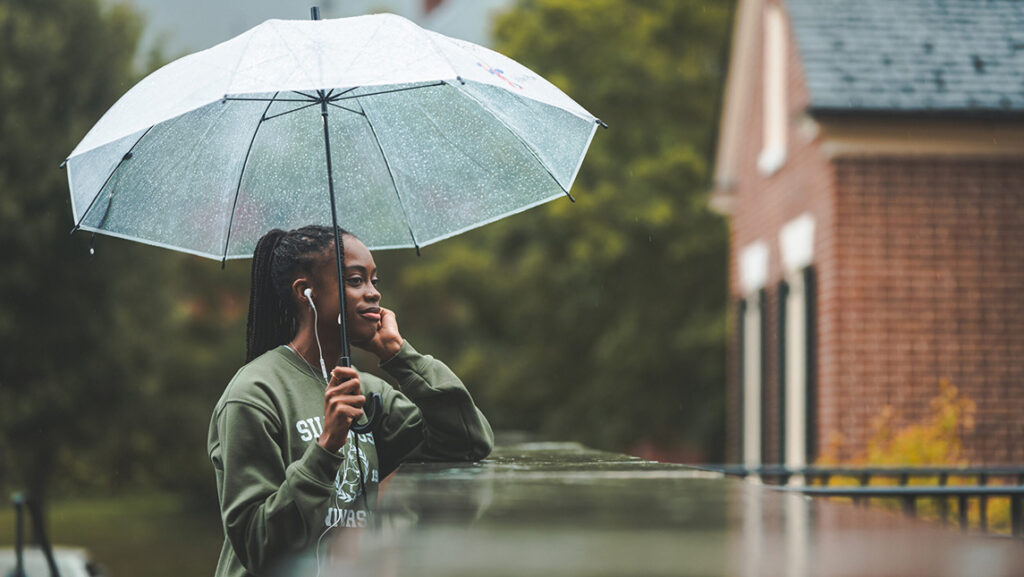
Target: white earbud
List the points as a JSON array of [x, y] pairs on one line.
[[323, 366]]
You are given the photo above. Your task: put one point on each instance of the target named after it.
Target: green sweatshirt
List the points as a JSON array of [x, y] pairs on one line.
[[280, 491]]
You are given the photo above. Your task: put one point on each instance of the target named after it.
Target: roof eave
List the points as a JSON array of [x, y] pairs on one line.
[[823, 113]]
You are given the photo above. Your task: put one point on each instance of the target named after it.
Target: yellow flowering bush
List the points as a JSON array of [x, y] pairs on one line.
[[936, 441]]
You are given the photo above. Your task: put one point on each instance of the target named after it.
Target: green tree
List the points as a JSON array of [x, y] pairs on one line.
[[109, 367], [61, 64], [602, 321]]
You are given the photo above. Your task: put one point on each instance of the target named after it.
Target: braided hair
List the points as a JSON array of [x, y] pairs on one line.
[[281, 257]]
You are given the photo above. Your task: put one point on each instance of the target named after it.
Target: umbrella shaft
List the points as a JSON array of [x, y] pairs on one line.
[[374, 399], [339, 247]]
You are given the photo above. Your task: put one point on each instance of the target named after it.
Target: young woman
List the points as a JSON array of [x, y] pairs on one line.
[[288, 468]]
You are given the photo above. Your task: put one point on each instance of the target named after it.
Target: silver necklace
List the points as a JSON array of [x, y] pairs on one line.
[[311, 367]]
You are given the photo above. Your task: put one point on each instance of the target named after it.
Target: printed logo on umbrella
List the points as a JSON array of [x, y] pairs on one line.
[[499, 73]]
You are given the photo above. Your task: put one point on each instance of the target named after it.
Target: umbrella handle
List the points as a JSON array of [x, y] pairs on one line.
[[376, 408]]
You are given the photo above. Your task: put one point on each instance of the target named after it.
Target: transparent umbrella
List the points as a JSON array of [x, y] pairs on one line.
[[398, 134]]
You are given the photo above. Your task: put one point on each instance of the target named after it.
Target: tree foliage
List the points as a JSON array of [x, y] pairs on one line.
[[603, 320], [106, 375]]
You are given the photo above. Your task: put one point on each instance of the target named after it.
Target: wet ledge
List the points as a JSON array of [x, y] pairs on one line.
[[553, 509]]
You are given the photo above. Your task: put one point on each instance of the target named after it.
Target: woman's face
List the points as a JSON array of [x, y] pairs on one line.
[[362, 300]]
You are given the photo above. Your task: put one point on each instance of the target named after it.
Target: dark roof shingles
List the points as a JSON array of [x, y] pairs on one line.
[[939, 56]]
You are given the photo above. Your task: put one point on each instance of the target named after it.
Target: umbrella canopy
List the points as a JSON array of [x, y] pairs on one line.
[[429, 136]]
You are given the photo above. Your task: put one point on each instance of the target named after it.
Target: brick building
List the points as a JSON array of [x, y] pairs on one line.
[[871, 164]]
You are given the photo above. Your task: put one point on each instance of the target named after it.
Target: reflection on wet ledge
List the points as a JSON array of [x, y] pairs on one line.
[[553, 509]]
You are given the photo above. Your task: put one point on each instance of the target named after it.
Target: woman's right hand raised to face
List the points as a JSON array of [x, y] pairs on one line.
[[343, 406]]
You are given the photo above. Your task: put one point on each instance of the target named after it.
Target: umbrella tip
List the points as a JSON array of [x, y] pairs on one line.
[[601, 122], [63, 163], [314, 13]]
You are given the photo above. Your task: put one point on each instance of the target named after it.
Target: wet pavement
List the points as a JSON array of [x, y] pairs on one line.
[[559, 509]]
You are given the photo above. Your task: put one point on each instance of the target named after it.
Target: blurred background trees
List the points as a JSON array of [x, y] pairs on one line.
[[109, 365], [602, 321], [61, 65]]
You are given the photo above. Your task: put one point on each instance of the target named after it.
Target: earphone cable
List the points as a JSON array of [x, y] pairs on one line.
[[337, 506], [362, 476], [355, 436], [316, 333]]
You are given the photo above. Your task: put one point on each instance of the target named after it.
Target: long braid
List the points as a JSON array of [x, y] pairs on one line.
[[263, 329], [280, 257]]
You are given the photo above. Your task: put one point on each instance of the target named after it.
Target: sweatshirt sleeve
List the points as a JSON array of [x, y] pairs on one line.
[[265, 504], [431, 416]]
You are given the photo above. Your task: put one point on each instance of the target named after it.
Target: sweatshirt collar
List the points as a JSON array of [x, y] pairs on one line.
[[299, 363]]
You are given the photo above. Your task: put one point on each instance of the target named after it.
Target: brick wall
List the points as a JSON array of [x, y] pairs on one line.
[[763, 205], [920, 272], [930, 286]]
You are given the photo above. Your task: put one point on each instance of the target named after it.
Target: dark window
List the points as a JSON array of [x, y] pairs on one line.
[[780, 372], [811, 360], [741, 315], [762, 298]]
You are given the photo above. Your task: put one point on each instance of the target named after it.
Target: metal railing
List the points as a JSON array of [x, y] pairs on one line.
[[35, 511], [816, 482]]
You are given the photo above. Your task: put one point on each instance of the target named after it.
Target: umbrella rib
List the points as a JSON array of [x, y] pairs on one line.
[[288, 111], [345, 108], [441, 53], [346, 91], [394, 184], [520, 139], [99, 192], [241, 173], [339, 97], [254, 99]]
